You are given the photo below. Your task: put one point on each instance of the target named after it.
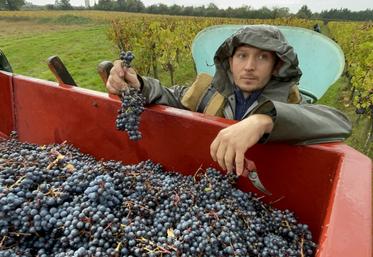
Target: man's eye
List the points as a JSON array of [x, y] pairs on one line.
[[263, 57], [241, 55]]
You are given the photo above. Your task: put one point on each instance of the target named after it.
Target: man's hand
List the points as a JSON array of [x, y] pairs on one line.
[[120, 78], [231, 143]]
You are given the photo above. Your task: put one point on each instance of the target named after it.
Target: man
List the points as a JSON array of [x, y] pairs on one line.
[[317, 28], [256, 83]]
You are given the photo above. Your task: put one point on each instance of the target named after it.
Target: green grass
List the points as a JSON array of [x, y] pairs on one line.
[[71, 19], [67, 19], [81, 49]]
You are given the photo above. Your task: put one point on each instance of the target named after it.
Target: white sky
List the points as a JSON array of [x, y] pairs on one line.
[[293, 5]]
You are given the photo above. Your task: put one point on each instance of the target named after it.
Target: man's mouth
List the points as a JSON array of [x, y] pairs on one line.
[[249, 77]]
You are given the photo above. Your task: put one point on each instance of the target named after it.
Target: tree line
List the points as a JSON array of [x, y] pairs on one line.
[[11, 5], [244, 12], [210, 10]]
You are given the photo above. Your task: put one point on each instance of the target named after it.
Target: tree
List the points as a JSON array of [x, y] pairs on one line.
[[188, 10], [64, 5], [304, 12], [212, 10], [175, 9], [11, 5], [345, 14], [199, 11], [50, 6], [279, 12], [122, 5], [263, 13], [157, 8], [135, 6], [2, 5], [105, 5], [242, 12], [229, 12]]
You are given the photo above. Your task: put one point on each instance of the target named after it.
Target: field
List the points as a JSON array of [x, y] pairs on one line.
[[84, 39], [28, 45]]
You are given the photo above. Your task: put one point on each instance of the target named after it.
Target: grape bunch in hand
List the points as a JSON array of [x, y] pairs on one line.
[[128, 118]]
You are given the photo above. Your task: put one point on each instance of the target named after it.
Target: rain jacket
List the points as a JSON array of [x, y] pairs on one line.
[[294, 120]]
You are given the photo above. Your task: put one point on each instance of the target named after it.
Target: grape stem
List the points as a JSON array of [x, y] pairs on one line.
[[301, 247], [2, 241], [17, 182], [196, 174]]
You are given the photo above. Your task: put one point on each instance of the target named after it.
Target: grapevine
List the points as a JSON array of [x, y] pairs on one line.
[[356, 40]]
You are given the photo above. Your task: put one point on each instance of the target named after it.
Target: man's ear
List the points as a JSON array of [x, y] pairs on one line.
[[277, 66]]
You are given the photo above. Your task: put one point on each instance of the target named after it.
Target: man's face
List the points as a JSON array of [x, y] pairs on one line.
[[251, 68]]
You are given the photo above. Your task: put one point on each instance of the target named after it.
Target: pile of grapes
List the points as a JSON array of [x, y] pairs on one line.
[[56, 201], [133, 101]]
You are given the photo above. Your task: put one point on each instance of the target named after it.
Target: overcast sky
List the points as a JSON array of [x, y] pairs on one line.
[[293, 5]]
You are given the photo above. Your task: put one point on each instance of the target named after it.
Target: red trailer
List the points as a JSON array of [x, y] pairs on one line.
[[328, 186]]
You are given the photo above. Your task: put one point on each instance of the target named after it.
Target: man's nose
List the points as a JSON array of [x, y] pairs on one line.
[[250, 63]]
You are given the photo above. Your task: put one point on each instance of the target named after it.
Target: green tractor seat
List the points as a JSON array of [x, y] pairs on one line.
[[321, 59]]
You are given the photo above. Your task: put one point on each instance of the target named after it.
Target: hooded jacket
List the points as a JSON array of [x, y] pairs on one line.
[[294, 121]]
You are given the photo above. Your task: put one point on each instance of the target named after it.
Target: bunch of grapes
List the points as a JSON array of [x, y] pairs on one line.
[[133, 101], [58, 202], [364, 103], [126, 57], [128, 118], [101, 190]]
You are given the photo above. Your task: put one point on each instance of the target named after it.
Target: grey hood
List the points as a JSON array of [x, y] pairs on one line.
[[267, 38]]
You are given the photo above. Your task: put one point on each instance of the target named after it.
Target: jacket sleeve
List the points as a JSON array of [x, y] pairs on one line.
[[305, 123], [154, 92]]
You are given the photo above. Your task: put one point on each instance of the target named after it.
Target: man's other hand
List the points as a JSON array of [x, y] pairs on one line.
[[231, 143]]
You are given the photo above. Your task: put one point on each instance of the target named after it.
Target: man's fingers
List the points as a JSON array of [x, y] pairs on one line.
[[118, 63], [240, 162], [229, 159], [213, 149], [217, 151], [117, 82], [112, 90], [118, 70], [116, 87], [220, 155]]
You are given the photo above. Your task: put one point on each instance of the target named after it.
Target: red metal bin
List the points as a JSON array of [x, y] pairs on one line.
[[328, 186]]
